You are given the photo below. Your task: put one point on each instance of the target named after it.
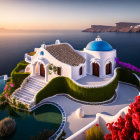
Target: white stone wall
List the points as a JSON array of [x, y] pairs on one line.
[[102, 58], [76, 71], [65, 68]]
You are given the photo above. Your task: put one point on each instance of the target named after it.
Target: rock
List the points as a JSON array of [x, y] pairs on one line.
[[7, 127], [120, 27]]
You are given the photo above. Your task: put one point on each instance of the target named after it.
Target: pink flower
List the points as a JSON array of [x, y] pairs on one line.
[[5, 87], [5, 95], [11, 85]]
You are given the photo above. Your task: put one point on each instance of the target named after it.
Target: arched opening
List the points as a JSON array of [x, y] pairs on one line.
[[59, 70], [80, 71], [42, 70], [108, 68], [95, 68]]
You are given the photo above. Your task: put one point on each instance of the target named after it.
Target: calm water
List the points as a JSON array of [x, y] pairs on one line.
[[28, 125], [13, 46]]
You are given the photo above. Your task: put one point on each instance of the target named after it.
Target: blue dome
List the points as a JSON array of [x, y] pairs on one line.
[[99, 46]]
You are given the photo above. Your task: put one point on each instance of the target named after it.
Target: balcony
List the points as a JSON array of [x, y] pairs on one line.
[[28, 58]]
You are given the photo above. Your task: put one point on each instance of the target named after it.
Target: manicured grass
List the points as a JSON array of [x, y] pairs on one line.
[[17, 77], [66, 85]]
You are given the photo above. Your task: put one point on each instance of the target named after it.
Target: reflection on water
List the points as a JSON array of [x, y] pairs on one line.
[[30, 124], [13, 46]]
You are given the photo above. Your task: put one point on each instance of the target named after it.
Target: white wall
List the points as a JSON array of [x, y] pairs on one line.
[[75, 71], [66, 69], [101, 119], [102, 57]]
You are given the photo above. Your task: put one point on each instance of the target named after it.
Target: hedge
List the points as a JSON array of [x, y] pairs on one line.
[[66, 85], [17, 77], [126, 75]]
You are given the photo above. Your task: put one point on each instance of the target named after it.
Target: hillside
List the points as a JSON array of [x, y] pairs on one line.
[[120, 27]]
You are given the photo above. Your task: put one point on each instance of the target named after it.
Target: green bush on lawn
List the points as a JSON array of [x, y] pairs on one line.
[[17, 77], [126, 75], [66, 85]]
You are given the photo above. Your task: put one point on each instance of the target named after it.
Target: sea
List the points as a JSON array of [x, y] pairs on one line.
[[13, 45]]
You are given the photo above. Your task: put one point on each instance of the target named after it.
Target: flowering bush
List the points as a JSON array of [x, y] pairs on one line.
[[94, 133], [7, 89], [127, 127], [126, 65]]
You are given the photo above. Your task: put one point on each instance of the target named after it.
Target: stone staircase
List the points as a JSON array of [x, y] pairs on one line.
[[27, 93]]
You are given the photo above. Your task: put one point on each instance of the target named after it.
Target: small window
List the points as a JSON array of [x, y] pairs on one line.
[[41, 53], [58, 70], [80, 71]]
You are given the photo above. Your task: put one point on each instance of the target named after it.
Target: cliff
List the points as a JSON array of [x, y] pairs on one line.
[[120, 27]]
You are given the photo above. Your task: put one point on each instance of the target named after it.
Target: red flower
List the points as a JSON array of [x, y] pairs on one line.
[[127, 127], [137, 98], [108, 137], [137, 135], [96, 124]]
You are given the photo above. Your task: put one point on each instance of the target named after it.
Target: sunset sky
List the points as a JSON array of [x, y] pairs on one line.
[[66, 14]]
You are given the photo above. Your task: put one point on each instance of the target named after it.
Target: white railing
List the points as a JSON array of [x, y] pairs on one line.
[[137, 76], [98, 86], [28, 58], [101, 119]]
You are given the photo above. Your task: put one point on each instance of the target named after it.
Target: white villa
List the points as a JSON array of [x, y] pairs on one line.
[[97, 58]]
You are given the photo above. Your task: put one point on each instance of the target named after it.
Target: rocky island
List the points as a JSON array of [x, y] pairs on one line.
[[120, 27]]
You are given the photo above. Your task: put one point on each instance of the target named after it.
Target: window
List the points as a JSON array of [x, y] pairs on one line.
[[108, 68], [58, 70], [80, 71]]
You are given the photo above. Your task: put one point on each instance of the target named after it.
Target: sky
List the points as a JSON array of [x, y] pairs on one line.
[[66, 14]]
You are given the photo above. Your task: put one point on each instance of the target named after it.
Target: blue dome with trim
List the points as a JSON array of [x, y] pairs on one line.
[[98, 45]]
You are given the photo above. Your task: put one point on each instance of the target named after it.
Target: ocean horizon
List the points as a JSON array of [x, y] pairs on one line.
[[13, 45]]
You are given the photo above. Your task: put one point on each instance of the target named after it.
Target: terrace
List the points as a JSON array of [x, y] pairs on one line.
[[94, 80]]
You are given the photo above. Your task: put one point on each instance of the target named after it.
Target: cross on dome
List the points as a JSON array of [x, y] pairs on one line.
[[98, 38]]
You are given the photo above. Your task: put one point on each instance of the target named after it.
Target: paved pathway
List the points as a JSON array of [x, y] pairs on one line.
[[94, 80], [126, 94]]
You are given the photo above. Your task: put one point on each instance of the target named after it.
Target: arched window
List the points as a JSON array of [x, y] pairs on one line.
[[108, 68], [95, 68], [80, 71], [59, 70]]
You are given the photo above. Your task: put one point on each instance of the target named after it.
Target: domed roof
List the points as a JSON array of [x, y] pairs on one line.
[[99, 45]]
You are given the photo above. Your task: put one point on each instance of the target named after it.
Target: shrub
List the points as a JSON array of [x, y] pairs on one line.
[[94, 133], [65, 85], [2, 98], [17, 77], [128, 66], [126, 75], [21, 106], [7, 127], [45, 135], [127, 127]]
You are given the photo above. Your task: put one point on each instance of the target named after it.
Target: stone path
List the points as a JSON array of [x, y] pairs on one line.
[[126, 95]]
